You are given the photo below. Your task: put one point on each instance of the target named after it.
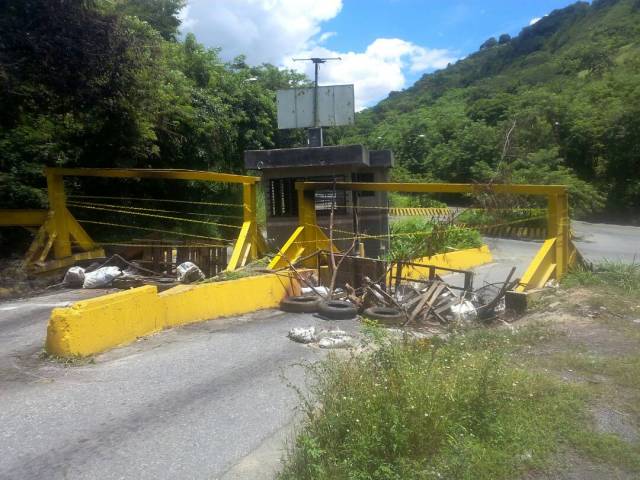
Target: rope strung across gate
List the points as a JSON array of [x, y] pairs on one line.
[[147, 209], [166, 200], [155, 230], [165, 217]]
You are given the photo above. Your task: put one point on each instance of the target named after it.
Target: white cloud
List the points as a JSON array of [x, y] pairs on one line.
[[534, 20], [263, 30], [326, 36], [276, 31], [376, 71]]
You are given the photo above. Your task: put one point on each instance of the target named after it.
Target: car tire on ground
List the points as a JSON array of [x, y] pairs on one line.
[[300, 304], [337, 310], [384, 314]]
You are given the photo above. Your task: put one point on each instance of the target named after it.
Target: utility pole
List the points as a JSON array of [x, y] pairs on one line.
[[315, 133]]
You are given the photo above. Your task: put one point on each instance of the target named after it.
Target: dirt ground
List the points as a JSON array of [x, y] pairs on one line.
[[595, 343], [15, 283]]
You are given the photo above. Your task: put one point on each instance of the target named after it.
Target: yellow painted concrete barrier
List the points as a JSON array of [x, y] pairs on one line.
[[194, 303], [98, 324], [460, 259]]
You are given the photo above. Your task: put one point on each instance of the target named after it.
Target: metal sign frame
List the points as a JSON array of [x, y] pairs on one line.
[[335, 106]]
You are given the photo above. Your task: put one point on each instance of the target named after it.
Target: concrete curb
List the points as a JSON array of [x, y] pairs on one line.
[[461, 259], [95, 325]]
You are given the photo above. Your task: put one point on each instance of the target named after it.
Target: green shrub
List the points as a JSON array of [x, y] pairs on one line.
[[518, 217], [416, 237]]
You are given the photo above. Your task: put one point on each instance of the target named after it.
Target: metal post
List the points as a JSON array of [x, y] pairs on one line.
[[307, 215], [316, 114], [58, 207], [249, 215], [558, 228], [315, 133], [562, 244]]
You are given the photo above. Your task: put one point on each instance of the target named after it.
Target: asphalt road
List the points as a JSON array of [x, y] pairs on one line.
[[598, 242], [209, 400], [204, 401]]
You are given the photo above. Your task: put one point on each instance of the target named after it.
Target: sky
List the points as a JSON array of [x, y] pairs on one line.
[[385, 45]]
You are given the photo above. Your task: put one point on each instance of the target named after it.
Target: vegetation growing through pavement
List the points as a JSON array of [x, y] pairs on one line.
[[416, 237], [486, 403]]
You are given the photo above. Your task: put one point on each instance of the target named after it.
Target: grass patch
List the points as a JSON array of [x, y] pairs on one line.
[[610, 276], [620, 372], [73, 361], [457, 409], [416, 237], [251, 269]]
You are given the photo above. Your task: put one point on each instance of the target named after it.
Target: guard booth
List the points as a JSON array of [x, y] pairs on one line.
[[282, 168], [315, 108]]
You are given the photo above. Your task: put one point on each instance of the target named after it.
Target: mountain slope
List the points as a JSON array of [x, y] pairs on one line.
[[558, 103]]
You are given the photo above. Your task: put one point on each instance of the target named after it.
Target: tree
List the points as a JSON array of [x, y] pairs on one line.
[[489, 43], [162, 15]]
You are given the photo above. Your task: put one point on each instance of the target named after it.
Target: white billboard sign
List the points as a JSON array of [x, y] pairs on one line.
[[335, 106]]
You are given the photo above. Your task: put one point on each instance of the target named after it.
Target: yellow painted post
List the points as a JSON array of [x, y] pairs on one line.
[[558, 228], [562, 245], [57, 205], [307, 216], [249, 215]]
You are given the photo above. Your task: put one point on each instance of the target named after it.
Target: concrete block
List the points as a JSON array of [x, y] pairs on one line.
[[306, 157]]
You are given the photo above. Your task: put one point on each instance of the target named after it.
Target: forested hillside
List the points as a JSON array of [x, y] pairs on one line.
[[107, 83], [559, 103]]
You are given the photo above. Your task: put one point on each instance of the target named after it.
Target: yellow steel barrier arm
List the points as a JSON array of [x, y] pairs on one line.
[[58, 226], [552, 261]]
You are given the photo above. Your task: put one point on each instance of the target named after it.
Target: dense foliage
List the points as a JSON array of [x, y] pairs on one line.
[[556, 104], [109, 83], [103, 83]]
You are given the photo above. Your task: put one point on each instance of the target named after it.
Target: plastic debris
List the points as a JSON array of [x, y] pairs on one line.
[[321, 290], [303, 335], [464, 311], [189, 272], [100, 278], [74, 277], [340, 341], [335, 338]]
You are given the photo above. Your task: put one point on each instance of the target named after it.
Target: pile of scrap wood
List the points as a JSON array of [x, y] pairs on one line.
[[394, 299], [429, 302]]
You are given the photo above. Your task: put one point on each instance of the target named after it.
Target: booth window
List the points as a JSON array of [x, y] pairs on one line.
[[325, 198], [283, 199], [364, 178]]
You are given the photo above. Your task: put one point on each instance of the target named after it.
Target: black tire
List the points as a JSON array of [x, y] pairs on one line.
[[337, 310], [300, 304], [384, 314]]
